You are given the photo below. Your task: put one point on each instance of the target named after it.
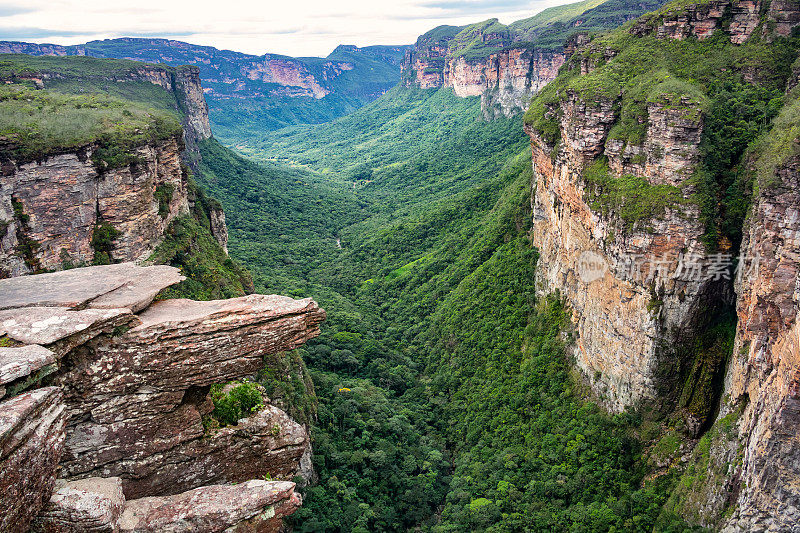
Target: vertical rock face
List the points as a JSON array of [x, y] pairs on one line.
[[505, 80], [128, 390], [623, 285], [50, 209], [764, 373], [31, 440]]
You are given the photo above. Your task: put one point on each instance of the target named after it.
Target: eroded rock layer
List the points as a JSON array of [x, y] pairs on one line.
[[51, 209], [128, 388]]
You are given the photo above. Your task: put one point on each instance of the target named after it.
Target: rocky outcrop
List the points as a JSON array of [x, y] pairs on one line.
[[31, 440], [505, 79], [701, 20], [764, 374], [256, 506], [52, 209], [127, 392], [97, 505], [93, 505]]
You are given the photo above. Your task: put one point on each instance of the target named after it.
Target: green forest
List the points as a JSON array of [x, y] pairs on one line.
[[445, 398]]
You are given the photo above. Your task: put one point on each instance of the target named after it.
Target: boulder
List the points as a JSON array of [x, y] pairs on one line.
[[92, 505], [256, 506]]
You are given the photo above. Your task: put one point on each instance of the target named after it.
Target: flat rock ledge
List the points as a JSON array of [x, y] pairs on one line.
[[97, 505], [108, 389]]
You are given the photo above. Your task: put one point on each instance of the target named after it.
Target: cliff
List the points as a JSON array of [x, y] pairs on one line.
[[642, 189], [111, 392], [82, 186], [507, 65], [54, 209]]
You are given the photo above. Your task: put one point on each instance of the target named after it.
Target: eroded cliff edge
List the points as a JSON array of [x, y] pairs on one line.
[[101, 384], [655, 229]]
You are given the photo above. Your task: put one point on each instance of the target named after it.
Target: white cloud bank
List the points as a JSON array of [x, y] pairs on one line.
[[291, 27]]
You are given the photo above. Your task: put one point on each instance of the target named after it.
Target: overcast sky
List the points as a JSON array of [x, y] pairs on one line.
[[291, 27]]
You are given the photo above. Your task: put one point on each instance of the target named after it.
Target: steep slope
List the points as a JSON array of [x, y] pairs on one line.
[[645, 153], [262, 92], [506, 65]]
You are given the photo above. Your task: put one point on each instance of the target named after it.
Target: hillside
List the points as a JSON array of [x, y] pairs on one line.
[[262, 92]]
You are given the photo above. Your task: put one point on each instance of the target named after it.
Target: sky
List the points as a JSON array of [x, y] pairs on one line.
[[290, 27]]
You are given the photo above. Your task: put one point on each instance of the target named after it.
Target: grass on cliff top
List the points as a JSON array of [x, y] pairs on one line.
[[630, 198], [527, 28], [68, 67], [35, 122]]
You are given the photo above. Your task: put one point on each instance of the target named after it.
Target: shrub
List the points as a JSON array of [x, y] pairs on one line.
[[103, 239], [239, 401]]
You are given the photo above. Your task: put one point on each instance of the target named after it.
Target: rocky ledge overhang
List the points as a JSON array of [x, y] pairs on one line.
[[107, 388]]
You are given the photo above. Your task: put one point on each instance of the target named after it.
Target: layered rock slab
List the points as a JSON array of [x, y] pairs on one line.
[[31, 440], [92, 505], [256, 506], [133, 388]]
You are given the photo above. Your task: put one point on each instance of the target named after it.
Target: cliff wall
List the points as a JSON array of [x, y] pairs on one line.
[[109, 391], [505, 80], [52, 209], [618, 163]]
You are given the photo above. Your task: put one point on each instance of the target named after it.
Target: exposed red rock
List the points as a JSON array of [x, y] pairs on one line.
[[92, 505], [31, 439], [256, 506]]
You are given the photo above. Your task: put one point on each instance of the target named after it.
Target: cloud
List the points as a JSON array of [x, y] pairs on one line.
[[10, 34], [11, 10], [455, 7]]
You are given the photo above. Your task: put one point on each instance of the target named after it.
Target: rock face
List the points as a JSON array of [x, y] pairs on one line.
[[31, 440], [505, 79], [630, 285], [128, 388], [632, 308], [703, 19], [51, 208], [764, 374], [255, 506]]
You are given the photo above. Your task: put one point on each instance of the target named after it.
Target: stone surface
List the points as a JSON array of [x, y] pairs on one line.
[[764, 373], [92, 505], [505, 80], [630, 317], [46, 325], [123, 285], [21, 362], [61, 198], [254, 506], [136, 401], [31, 441]]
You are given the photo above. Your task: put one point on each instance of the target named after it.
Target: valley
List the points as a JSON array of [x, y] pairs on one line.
[[468, 375]]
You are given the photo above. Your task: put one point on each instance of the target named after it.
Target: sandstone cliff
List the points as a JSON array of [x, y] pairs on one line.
[[618, 167], [112, 389], [507, 65], [504, 76]]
